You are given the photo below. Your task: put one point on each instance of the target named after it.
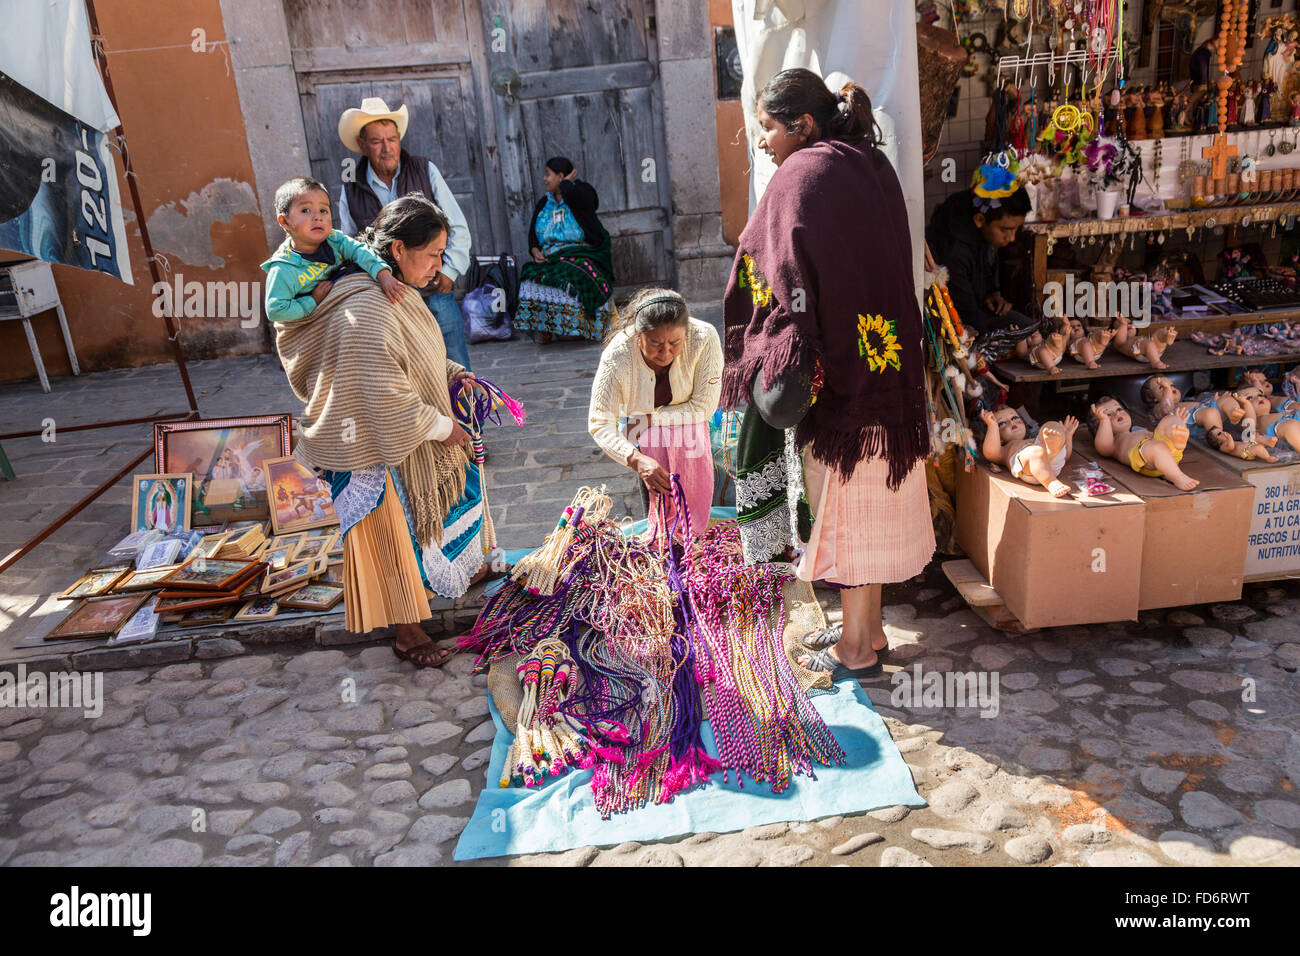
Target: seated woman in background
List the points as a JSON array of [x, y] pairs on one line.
[[662, 371], [567, 289]]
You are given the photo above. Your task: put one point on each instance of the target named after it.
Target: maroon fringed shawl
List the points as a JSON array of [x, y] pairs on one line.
[[823, 272]]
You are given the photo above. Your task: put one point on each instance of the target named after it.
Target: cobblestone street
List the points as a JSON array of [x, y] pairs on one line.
[[1173, 740]]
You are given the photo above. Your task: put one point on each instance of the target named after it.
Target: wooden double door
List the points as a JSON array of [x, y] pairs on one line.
[[495, 88]]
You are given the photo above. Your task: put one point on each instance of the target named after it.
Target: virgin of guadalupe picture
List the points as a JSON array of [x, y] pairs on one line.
[[161, 502]]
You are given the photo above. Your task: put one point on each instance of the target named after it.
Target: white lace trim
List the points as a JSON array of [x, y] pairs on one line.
[[450, 579], [764, 539], [755, 488], [794, 490]]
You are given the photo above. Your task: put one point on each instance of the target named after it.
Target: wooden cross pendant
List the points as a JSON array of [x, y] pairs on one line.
[[1219, 151]]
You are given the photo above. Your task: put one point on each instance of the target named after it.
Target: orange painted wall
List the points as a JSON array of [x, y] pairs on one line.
[[733, 157], [185, 130]]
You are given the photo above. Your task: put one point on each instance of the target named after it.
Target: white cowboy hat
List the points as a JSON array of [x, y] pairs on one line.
[[372, 108]]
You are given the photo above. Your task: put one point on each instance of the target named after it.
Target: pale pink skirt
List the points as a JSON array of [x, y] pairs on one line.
[[864, 533], [683, 450]]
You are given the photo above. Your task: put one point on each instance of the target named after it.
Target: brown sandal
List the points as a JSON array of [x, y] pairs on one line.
[[427, 654]]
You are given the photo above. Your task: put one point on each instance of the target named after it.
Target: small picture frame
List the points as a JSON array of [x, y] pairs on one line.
[[297, 541], [314, 597], [97, 581], [336, 549], [161, 553], [259, 609], [280, 581], [333, 572], [208, 574], [161, 502], [97, 617], [207, 615], [277, 559], [146, 580], [297, 498], [325, 532], [210, 545]]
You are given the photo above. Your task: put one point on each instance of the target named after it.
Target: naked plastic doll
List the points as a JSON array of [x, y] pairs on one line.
[[1284, 401], [1154, 454], [1035, 462], [1275, 425], [1146, 348], [1045, 352], [1087, 346], [1255, 403], [1256, 448], [1209, 410]]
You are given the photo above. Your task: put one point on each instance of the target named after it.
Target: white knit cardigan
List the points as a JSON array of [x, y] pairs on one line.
[[625, 387]]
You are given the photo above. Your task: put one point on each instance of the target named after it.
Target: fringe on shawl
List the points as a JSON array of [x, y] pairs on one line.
[[791, 347], [433, 489], [901, 445]]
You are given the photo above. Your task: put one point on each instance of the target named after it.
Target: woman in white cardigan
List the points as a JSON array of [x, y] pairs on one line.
[[661, 371]]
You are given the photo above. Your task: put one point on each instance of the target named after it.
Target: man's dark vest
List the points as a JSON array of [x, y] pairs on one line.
[[364, 205]]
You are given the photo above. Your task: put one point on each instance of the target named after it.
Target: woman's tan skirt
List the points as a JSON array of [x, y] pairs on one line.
[[381, 577]]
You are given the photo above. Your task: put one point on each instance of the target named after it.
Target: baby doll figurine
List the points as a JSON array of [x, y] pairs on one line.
[[1155, 454], [1279, 402], [1219, 439], [1035, 462], [1045, 352], [1087, 347], [1254, 403], [1144, 348]]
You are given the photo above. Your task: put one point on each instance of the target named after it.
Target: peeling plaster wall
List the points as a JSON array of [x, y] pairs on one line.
[[185, 130]]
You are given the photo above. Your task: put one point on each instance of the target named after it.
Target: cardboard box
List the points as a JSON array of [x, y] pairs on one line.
[[1192, 546], [1053, 561], [1273, 540]]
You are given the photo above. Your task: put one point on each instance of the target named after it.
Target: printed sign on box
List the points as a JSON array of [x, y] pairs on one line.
[[1273, 544]]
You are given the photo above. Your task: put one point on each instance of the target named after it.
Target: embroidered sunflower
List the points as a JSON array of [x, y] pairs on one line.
[[750, 278], [878, 343]]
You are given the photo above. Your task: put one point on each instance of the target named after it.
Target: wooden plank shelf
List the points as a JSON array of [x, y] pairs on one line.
[[1182, 356], [1165, 221]]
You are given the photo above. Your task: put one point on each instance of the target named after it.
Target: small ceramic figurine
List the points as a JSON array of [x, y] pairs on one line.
[[1234, 102], [1045, 352], [1248, 103], [1224, 443], [1162, 398], [1087, 346], [1284, 425], [1036, 462], [1155, 454], [1136, 116], [1295, 109], [1146, 348], [1255, 403], [1155, 113], [1267, 90]]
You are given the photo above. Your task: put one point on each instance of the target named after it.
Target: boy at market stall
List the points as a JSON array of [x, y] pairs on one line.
[[965, 233], [301, 272]]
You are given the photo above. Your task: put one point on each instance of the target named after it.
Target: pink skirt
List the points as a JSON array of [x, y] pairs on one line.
[[685, 451], [863, 533]]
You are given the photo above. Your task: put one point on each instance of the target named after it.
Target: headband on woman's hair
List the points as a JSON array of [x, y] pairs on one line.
[[666, 296]]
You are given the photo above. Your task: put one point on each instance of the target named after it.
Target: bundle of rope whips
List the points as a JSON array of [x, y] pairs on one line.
[[541, 571], [548, 741], [764, 724], [475, 404]]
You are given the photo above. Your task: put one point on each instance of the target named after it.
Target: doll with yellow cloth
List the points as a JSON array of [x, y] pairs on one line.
[[1155, 454]]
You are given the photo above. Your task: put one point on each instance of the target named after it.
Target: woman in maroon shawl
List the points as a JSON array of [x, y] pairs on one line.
[[824, 343]]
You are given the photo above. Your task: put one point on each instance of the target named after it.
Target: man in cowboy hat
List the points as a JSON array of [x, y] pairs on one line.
[[387, 172]]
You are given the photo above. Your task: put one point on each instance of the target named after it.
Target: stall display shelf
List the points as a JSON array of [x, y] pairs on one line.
[[1182, 356]]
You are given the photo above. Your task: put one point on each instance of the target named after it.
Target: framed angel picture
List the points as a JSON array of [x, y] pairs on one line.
[[298, 499], [226, 457]]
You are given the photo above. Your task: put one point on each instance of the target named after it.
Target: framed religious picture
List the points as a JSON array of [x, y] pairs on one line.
[[97, 581], [97, 617], [297, 498], [162, 502], [277, 558], [226, 457], [314, 597], [207, 615], [258, 609], [294, 541], [279, 581], [207, 574], [324, 531], [333, 572], [144, 580]]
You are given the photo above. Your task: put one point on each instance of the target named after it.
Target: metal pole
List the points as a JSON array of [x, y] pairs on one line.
[[129, 174]]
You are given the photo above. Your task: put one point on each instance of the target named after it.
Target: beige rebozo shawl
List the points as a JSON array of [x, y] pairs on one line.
[[373, 376]]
